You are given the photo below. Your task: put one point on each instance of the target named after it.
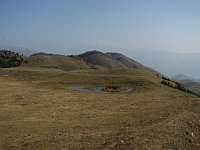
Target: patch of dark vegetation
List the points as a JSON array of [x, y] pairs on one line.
[[10, 59], [117, 88], [165, 78], [112, 88], [176, 85], [46, 54], [75, 57], [86, 54], [167, 83]]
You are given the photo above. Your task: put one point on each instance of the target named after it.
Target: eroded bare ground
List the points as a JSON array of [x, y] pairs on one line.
[[39, 117]]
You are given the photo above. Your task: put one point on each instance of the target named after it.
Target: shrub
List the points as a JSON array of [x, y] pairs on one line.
[[10, 59]]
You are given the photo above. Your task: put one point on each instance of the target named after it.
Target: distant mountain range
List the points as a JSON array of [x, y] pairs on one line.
[[180, 77], [20, 50], [169, 63]]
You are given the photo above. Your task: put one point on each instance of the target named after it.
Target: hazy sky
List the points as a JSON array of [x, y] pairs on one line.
[[172, 25]]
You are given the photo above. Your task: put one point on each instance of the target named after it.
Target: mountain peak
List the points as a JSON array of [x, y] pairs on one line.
[[88, 53], [182, 77]]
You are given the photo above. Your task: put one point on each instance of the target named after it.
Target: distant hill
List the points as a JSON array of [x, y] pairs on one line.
[[125, 60], [189, 66], [168, 63], [97, 58], [111, 60], [179, 77], [26, 52], [87, 60], [20, 50], [55, 61]]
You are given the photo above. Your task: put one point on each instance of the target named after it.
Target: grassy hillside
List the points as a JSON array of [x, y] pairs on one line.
[[100, 59], [192, 85], [112, 60], [88, 60], [125, 60], [55, 61], [37, 111]]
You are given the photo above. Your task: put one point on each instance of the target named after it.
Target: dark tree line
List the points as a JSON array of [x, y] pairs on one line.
[[167, 83], [182, 88], [165, 78], [10, 59], [177, 86]]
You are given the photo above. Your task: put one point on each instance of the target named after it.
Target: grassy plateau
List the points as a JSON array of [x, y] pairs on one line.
[[37, 111]]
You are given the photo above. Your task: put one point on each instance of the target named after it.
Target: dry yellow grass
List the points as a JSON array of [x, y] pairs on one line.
[[38, 112]]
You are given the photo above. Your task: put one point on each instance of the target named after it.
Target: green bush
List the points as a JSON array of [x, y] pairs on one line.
[[10, 59]]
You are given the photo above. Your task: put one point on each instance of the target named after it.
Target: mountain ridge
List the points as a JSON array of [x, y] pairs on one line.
[[88, 60], [182, 77], [112, 60]]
